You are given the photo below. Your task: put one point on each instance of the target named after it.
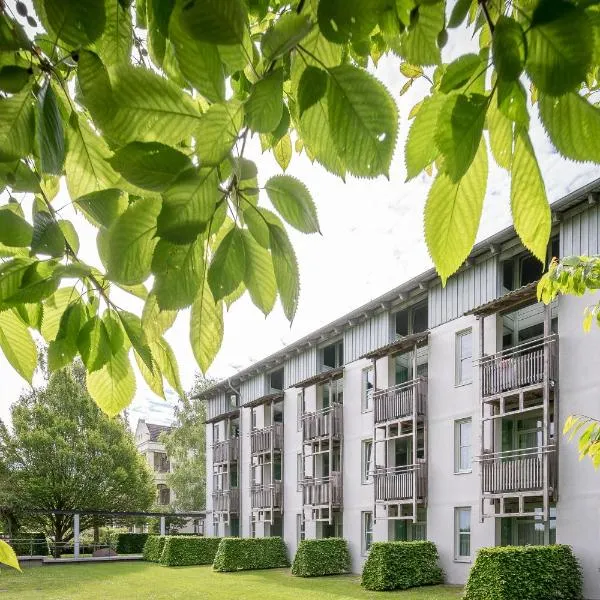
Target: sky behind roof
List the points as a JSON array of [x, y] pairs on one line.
[[372, 240]]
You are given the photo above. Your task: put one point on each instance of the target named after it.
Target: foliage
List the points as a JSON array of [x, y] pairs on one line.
[[163, 174], [180, 551], [328, 556], [242, 554], [525, 573], [8, 556], [131, 543], [401, 565], [153, 548], [30, 544], [64, 453]]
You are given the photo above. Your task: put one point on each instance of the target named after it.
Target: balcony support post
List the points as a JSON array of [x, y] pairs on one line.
[[546, 410], [480, 324], [414, 433]]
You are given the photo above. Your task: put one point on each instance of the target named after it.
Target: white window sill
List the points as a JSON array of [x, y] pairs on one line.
[[463, 559], [463, 383], [465, 472], [370, 482]]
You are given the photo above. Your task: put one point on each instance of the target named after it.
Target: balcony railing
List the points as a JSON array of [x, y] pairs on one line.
[[400, 483], [517, 470], [226, 500], [266, 496], [226, 451], [400, 401], [322, 491], [263, 440], [519, 367], [322, 423]]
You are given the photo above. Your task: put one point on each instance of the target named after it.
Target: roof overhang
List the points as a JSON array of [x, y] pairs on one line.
[[404, 344], [223, 416], [321, 378], [510, 301], [264, 400]]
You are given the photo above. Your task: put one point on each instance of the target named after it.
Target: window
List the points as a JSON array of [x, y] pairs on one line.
[[528, 531], [277, 412], [367, 461], [234, 400], [216, 433], [164, 494], [253, 418], [276, 379], [462, 446], [332, 356], [300, 408], [404, 530], [300, 530], [252, 528], [299, 472], [412, 320], [368, 386], [464, 357], [161, 462], [462, 533], [367, 531], [234, 527]]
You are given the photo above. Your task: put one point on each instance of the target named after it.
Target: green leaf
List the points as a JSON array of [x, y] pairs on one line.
[[512, 101], [419, 45], [218, 130], [342, 21], [154, 320], [293, 202], [54, 307], [206, 327], [259, 277], [70, 234], [421, 149], [50, 132], [286, 33], [16, 125], [459, 13], [228, 265], [104, 207], [282, 151], [8, 556], [77, 23], [132, 325], [116, 42], [452, 215], [508, 47], [528, 201], [215, 21], [573, 125], [47, 236], [501, 135], [286, 270], [311, 88], [13, 78], [364, 138], [113, 386], [39, 281], [63, 349], [14, 230], [459, 129], [411, 71], [258, 224], [264, 106], [149, 165], [94, 344], [153, 377], [96, 87], [131, 242], [167, 363], [559, 47], [178, 272], [188, 205], [459, 72], [17, 344]]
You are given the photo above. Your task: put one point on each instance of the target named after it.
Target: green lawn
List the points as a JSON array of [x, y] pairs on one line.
[[147, 581]]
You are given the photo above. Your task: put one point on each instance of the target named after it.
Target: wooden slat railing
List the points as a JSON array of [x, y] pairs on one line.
[[398, 401], [323, 423], [226, 500], [398, 483], [260, 439], [323, 490], [226, 451], [266, 496]]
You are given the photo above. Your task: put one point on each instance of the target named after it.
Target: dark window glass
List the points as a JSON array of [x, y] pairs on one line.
[[402, 322], [276, 378], [419, 318], [329, 356], [508, 274], [531, 270], [555, 247]]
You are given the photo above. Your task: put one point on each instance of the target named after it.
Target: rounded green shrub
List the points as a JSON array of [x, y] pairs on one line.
[[242, 554], [153, 547], [182, 551], [328, 556], [401, 565], [525, 573], [131, 543]]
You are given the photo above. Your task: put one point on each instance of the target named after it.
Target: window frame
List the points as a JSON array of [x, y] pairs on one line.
[[458, 358], [458, 445], [366, 398], [457, 535], [366, 477], [300, 406], [366, 518], [300, 528], [299, 471]]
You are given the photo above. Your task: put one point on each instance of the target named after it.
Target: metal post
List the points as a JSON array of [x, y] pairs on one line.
[[481, 324], [163, 528], [76, 535], [546, 411]]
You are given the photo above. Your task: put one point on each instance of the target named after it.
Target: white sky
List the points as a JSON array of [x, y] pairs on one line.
[[372, 235]]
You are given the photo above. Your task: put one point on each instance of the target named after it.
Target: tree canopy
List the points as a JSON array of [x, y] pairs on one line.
[[141, 110]]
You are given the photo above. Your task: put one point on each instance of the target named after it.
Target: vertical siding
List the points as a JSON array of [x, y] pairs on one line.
[[366, 336], [465, 290], [216, 405], [579, 233], [253, 388], [300, 366]]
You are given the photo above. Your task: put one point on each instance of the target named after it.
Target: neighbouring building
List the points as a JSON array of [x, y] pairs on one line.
[[429, 413]]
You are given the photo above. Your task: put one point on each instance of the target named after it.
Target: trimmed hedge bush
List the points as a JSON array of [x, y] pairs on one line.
[[186, 550], [401, 565], [131, 543], [30, 543], [328, 556], [242, 554], [153, 547], [525, 573]]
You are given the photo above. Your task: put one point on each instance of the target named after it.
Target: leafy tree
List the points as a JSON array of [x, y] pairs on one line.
[[62, 452], [144, 109]]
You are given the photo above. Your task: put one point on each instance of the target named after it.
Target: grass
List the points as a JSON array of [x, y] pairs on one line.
[[147, 581]]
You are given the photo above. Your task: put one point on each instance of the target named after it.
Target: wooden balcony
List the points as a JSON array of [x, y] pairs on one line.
[[226, 500], [322, 491], [226, 451], [517, 471], [266, 496], [267, 439], [400, 483], [400, 401], [323, 423], [517, 368]]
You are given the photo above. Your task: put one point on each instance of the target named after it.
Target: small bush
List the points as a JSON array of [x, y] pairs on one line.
[[131, 543], [321, 557], [401, 565], [181, 551], [241, 554], [525, 573], [153, 547], [30, 544]]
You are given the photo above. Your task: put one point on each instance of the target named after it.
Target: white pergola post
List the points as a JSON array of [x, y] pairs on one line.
[[76, 535], [162, 526]]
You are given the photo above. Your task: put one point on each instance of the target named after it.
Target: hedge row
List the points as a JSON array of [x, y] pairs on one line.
[[30, 544], [181, 551], [131, 543], [153, 547], [321, 557], [525, 573], [401, 565], [241, 554]]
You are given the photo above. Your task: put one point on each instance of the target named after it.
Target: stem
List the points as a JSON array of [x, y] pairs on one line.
[[487, 15]]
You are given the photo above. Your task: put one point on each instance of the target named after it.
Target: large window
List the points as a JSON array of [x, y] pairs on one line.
[[367, 531], [276, 379], [332, 392], [164, 494], [464, 357], [161, 462], [368, 387], [412, 320], [528, 531], [234, 400], [367, 461], [462, 533], [404, 530], [332, 356], [462, 446]]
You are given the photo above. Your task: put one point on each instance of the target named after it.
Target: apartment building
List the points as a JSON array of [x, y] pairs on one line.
[[429, 413]]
